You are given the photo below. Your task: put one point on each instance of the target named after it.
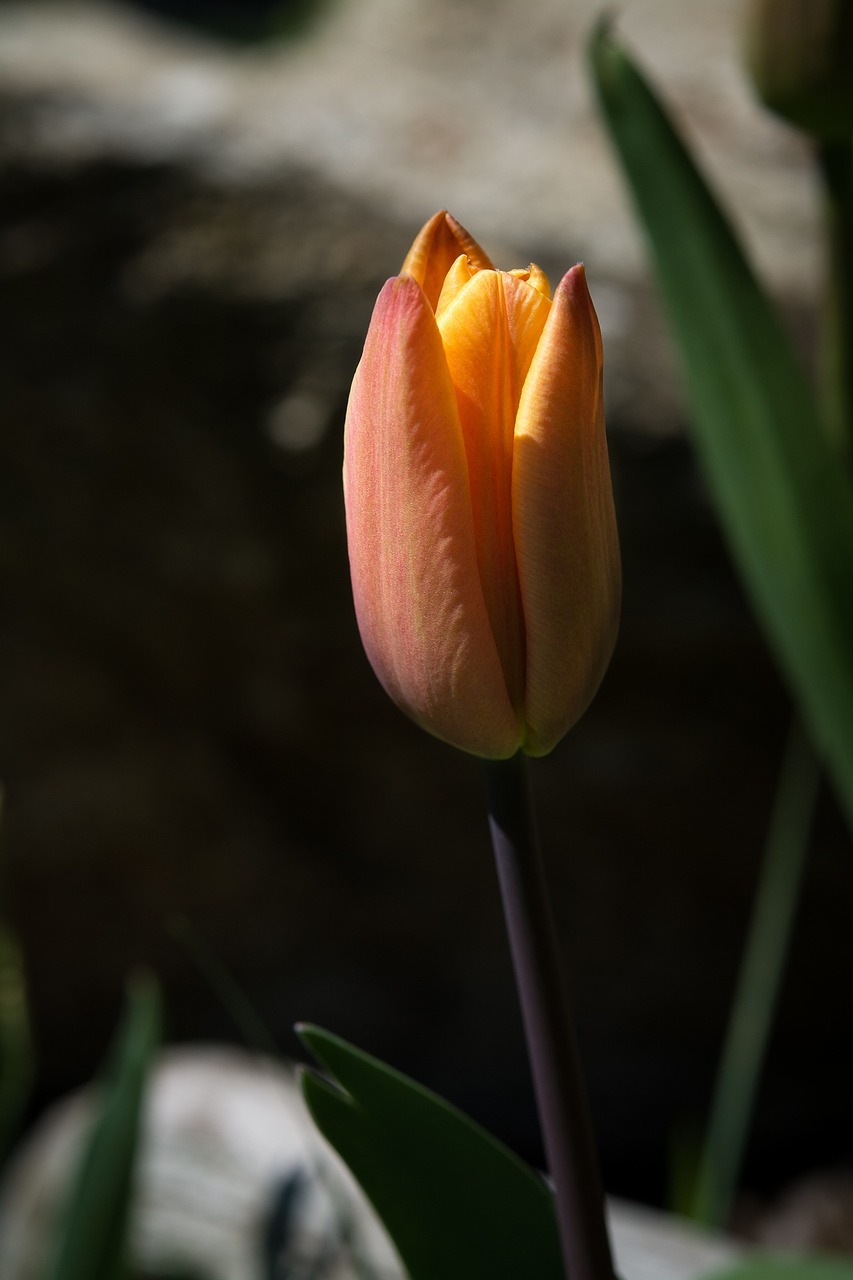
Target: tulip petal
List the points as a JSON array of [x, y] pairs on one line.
[[490, 329], [416, 585], [437, 246], [535, 277], [455, 281], [565, 526]]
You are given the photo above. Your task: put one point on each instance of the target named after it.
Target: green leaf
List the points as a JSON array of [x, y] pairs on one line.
[[456, 1203], [16, 1056], [92, 1240], [783, 497], [803, 1267]]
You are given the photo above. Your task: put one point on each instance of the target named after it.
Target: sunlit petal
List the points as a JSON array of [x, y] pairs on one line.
[[416, 584], [535, 277], [457, 278], [564, 522], [437, 246], [489, 331]]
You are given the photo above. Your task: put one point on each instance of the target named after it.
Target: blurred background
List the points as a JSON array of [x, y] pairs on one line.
[[199, 204]]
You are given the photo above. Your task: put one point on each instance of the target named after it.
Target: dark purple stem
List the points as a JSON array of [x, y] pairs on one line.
[[555, 1064]]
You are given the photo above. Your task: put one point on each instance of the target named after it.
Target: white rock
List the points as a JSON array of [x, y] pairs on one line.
[[224, 1132], [419, 104]]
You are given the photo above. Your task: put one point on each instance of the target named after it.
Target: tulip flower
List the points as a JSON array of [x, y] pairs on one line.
[[482, 537]]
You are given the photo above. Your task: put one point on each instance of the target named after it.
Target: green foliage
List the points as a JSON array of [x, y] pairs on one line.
[[783, 497], [16, 1057], [16, 1054], [92, 1239], [751, 1017], [456, 1203]]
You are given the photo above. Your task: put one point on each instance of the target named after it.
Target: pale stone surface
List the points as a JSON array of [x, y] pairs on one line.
[[223, 1131], [648, 1245], [411, 105], [417, 104]]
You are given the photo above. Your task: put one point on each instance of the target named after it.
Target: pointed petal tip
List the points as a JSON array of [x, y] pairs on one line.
[[398, 293], [574, 282], [574, 305], [435, 248]]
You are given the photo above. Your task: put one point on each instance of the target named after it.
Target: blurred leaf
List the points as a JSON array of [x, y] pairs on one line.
[[802, 1267], [16, 1055], [231, 996], [92, 1240], [456, 1203], [170, 1274], [781, 492]]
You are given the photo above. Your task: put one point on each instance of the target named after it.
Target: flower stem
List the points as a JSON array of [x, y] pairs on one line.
[[759, 980], [554, 1060]]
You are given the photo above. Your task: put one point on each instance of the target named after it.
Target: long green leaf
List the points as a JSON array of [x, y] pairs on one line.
[[92, 1241], [784, 500], [457, 1204], [16, 1053], [16, 1056]]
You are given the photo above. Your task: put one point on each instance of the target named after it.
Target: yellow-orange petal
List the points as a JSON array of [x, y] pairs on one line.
[[567, 548], [535, 277], [490, 330], [416, 586], [436, 247], [458, 276]]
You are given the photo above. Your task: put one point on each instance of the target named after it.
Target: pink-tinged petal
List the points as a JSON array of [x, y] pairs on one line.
[[565, 526], [490, 330], [417, 591], [437, 246]]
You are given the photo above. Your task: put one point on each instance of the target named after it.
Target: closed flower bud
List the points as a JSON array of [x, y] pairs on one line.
[[480, 522], [800, 56]]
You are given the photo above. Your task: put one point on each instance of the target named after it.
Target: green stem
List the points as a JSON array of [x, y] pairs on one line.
[[835, 160], [554, 1060], [759, 981]]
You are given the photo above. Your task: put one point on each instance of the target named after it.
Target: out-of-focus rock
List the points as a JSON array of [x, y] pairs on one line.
[[415, 104], [407, 107], [814, 1215], [234, 1182]]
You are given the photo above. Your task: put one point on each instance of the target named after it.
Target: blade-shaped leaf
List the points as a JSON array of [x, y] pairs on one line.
[[783, 497], [16, 1057], [92, 1240], [456, 1203], [16, 1054]]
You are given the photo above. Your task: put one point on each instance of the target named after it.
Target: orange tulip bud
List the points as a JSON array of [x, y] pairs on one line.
[[482, 536]]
